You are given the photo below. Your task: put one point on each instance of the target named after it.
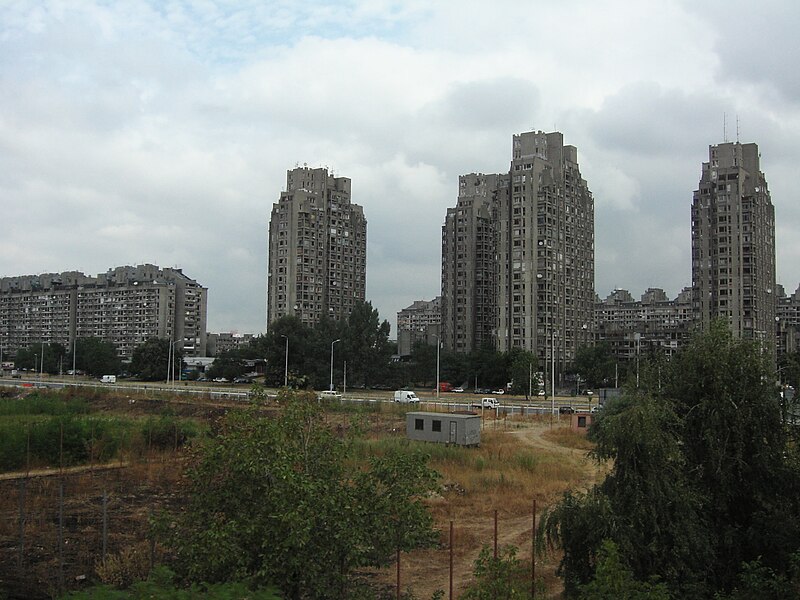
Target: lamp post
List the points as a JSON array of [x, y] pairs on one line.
[[438, 345], [637, 336], [41, 366], [332, 343], [553, 373], [286, 363]]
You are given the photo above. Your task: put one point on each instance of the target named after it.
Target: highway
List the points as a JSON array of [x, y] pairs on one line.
[[447, 401]]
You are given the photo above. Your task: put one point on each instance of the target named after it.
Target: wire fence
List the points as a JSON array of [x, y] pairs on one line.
[[57, 529], [67, 531]]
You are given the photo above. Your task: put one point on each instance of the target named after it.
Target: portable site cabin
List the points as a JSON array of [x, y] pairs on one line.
[[444, 428]]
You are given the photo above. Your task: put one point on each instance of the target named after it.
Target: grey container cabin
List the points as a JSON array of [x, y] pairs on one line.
[[444, 428]]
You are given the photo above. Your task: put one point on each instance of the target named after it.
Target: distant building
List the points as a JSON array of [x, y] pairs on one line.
[[787, 321], [518, 255], [420, 322], [124, 306], [219, 343], [317, 249], [469, 264], [653, 323], [733, 244]]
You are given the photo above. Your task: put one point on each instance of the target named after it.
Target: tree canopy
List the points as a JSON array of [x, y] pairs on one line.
[[703, 479], [151, 360], [283, 501]]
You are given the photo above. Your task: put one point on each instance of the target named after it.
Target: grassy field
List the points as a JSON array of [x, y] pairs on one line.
[[519, 460]]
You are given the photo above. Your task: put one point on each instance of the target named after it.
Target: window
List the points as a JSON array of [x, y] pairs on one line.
[[436, 426], [419, 424], [581, 421]]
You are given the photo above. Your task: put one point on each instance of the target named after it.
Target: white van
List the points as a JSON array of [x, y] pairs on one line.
[[108, 379], [405, 397]]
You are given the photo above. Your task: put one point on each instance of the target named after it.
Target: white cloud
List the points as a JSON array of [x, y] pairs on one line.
[[162, 132]]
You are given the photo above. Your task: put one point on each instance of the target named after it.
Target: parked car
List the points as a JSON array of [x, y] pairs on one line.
[[221, 380], [487, 403], [565, 410], [458, 390], [329, 395], [242, 380], [499, 391]]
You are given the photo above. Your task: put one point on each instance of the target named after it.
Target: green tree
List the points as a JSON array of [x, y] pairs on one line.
[[523, 372], [302, 352], [489, 367], [228, 365], [736, 450], [614, 581], [365, 344], [160, 584], [502, 577], [283, 501], [95, 356], [703, 479], [596, 365], [31, 358], [151, 360]]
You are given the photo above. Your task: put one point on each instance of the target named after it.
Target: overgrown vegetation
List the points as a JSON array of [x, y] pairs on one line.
[[704, 486], [279, 500], [49, 430], [161, 584]]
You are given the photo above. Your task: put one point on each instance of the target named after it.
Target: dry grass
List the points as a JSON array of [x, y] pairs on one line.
[[564, 436], [518, 461]]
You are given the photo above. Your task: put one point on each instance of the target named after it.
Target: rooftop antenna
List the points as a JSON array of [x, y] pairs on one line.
[[737, 129], [725, 127]]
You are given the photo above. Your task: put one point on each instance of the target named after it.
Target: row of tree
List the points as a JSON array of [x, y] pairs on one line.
[[360, 350], [151, 361], [90, 355]]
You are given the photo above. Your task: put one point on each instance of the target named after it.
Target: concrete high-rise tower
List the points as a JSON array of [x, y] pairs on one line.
[[733, 244], [317, 249], [469, 264], [530, 233]]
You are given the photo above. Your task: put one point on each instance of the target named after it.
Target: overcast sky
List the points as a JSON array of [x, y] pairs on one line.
[[161, 132]]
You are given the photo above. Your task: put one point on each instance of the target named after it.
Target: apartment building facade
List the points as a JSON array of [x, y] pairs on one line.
[[654, 323], [733, 244], [787, 321], [420, 322], [317, 249], [125, 306], [469, 264], [531, 233]]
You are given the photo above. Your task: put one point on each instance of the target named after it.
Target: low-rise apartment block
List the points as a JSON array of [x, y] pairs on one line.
[[125, 306], [653, 323], [420, 322]]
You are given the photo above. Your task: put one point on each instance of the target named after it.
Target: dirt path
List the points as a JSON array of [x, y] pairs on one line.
[[426, 571]]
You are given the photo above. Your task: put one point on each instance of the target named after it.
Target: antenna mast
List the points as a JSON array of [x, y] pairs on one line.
[[725, 127]]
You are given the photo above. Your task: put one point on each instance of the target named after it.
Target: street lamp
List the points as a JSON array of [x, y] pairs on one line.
[[553, 375], [332, 343], [438, 345], [637, 336], [286, 363]]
